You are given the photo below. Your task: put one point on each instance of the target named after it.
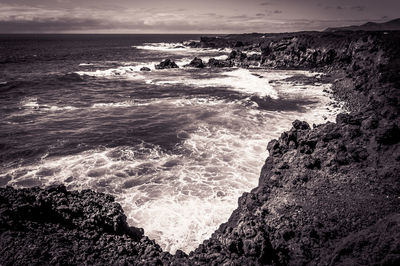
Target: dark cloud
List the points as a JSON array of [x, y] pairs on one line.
[[54, 25], [206, 16]]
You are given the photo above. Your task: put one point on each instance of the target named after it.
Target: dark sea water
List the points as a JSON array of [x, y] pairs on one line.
[[175, 147]]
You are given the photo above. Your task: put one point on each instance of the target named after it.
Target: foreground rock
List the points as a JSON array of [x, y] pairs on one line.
[[54, 226], [166, 64]]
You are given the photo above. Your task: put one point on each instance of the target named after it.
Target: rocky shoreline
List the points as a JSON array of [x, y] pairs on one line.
[[327, 195]]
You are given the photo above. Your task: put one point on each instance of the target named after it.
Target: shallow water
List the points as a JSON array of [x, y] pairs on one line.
[[175, 147]]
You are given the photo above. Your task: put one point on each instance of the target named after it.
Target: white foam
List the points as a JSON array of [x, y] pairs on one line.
[[241, 80], [30, 103], [86, 64], [58, 108], [165, 47], [178, 48], [126, 71], [124, 104], [180, 199]]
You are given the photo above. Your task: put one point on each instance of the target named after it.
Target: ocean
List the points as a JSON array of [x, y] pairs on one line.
[[175, 147]]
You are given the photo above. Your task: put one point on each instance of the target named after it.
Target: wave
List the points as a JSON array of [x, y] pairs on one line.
[[126, 71], [241, 80], [178, 47], [31, 103], [178, 197]]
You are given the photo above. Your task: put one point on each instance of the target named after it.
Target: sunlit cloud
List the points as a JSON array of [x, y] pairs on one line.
[[179, 16]]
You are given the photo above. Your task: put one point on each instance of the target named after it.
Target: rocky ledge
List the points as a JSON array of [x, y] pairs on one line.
[[327, 195]]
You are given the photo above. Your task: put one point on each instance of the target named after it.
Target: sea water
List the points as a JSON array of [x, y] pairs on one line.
[[176, 147]]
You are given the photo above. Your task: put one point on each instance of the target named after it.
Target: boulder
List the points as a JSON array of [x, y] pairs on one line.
[[145, 69], [196, 62], [219, 63], [166, 64], [237, 55]]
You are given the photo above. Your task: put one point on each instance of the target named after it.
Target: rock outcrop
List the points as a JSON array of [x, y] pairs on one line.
[[166, 64], [58, 227], [321, 190], [196, 62]]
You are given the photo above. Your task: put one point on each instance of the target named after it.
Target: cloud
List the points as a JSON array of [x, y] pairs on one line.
[[28, 19], [51, 25], [358, 8], [239, 17], [353, 8]]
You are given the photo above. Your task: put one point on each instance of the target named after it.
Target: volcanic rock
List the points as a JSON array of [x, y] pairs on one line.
[[197, 63], [167, 63], [145, 69], [219, 63]]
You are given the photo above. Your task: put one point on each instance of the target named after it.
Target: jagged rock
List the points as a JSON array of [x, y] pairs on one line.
[[297, 124], [167, 63], [63, 227], [237, 55], [196, 62], [254, 57], [219, 63]]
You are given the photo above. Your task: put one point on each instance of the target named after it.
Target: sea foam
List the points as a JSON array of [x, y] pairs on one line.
[[181, 198]]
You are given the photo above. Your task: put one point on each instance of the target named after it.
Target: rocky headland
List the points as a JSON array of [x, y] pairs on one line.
[[327, 195]]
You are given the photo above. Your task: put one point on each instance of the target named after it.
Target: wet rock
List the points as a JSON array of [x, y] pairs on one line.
[[237, 55], [302, 125], [219, 63], [197, 63], [145, 69], [273, 147], [166, 64]]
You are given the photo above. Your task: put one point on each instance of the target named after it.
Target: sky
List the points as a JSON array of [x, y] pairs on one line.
[[189, 16]]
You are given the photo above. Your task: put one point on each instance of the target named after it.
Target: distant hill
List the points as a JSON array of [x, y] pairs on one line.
[[371, 26]]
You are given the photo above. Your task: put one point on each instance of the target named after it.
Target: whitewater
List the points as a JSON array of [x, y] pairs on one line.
[[176, 147]]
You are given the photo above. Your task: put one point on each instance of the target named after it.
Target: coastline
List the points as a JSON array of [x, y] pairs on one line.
[[305, 204]]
